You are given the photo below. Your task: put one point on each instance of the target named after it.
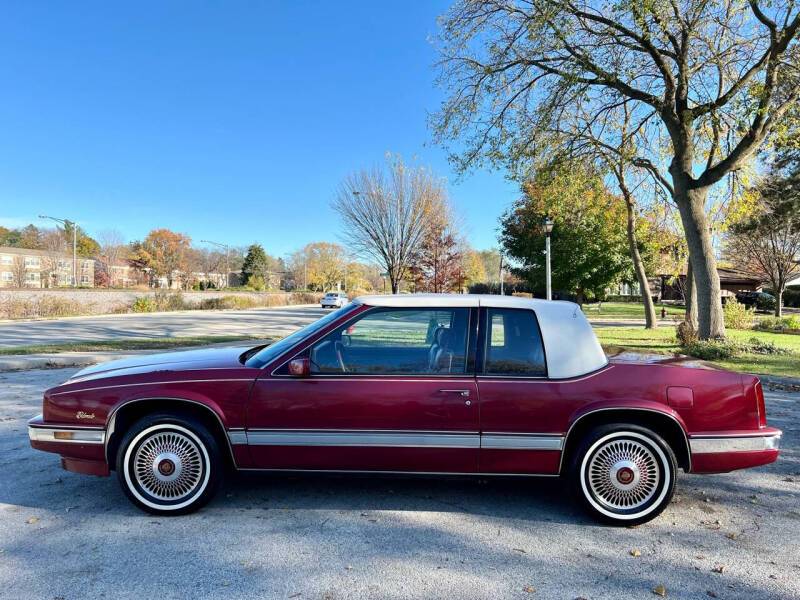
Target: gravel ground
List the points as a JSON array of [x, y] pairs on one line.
[[65, 536]]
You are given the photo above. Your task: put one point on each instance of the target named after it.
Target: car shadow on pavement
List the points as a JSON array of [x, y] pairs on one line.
[[545, 499]]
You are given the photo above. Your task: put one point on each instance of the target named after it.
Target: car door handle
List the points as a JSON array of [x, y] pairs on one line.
[[464, 393]]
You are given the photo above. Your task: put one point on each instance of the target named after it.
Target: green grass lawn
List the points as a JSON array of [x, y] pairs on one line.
[[125, 344], [627, 310], [662, 341]]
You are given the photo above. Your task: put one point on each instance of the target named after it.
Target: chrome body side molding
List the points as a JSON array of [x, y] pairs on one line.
[[397, 439]]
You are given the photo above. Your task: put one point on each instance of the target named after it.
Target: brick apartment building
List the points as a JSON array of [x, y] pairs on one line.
[[42, 269]]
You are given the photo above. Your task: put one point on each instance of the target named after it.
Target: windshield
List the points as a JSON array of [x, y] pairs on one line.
[[273, 351]]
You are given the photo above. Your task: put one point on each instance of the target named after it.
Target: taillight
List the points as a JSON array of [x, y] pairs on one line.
[[762, 407]]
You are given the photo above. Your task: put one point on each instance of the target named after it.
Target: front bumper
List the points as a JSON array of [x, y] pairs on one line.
[[82, 448], [720, 453]]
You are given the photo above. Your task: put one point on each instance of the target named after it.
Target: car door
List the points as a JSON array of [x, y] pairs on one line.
[[392, 389], [521, 410]]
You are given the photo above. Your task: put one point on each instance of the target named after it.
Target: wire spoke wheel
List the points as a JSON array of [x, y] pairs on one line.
[[168, 466], [624, 474]]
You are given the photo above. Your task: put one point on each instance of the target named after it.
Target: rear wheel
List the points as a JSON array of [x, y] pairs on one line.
[[624, 474], [169, 465]]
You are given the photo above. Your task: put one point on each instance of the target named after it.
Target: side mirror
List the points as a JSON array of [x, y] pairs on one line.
[[300, 367]]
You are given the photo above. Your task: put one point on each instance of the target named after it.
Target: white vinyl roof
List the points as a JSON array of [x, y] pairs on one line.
[[570, 345]]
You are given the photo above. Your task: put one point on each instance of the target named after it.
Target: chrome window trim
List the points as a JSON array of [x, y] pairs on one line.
[[79, 436], [362, 314], [720, 444]]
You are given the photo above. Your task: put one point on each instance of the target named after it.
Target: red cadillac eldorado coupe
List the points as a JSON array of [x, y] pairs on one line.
[[436, 384]]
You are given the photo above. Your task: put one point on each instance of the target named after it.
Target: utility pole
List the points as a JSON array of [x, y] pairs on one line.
[[67, 224]]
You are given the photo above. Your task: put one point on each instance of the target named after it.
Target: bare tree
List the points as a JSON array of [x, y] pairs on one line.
[[54, 244], [768, 243], [19, 270], [387, 213], [702, 78], [112, 250]]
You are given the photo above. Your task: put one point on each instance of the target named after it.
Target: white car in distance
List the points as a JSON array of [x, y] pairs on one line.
[[334, 300]]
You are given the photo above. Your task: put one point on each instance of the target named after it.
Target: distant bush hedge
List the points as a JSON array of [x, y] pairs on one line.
[[724, 349], [779, 325]]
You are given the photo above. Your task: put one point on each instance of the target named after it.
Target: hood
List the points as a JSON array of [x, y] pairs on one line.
[[205, 358]]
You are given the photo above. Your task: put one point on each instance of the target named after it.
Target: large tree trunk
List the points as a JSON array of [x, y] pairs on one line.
[[779, 301], [650, 321], [690, 294], [691, 205]]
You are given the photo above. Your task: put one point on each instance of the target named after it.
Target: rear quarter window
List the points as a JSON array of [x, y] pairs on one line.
[[513, 344]]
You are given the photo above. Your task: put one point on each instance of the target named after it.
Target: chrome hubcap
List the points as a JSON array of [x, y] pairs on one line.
[[168, 465], [624, 474]]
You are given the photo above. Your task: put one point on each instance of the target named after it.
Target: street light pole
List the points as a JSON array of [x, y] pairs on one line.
[[227, 258], [502, 279], [547, 267], [67, 223], [548, 228]]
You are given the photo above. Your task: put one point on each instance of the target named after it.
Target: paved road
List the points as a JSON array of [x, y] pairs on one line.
[[72, 537], [257, 322]]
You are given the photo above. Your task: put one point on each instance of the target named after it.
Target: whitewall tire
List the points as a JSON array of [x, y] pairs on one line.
[[624, 474], [169, 465]]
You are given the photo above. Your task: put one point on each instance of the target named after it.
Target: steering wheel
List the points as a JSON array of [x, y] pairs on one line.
[[339, 347]]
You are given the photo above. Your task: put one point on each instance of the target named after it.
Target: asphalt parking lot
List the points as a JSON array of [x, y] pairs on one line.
[[264, 322], [66, 536]]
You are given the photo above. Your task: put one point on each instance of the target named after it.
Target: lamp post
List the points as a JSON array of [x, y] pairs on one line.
[[502, 279], [547, 226], [227, 258], [67, 223]]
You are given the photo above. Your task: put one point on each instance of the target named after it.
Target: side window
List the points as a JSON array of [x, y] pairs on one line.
[[513, 344], [396, 342]]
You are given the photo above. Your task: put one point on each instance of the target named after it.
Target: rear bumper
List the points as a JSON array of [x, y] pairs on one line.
[[720, 453], [82, 449]]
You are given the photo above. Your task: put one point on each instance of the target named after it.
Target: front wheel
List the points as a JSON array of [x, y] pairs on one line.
[[624, 474], [169, 465]]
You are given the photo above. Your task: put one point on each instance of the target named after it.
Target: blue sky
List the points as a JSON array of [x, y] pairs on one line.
[[227, 121]]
